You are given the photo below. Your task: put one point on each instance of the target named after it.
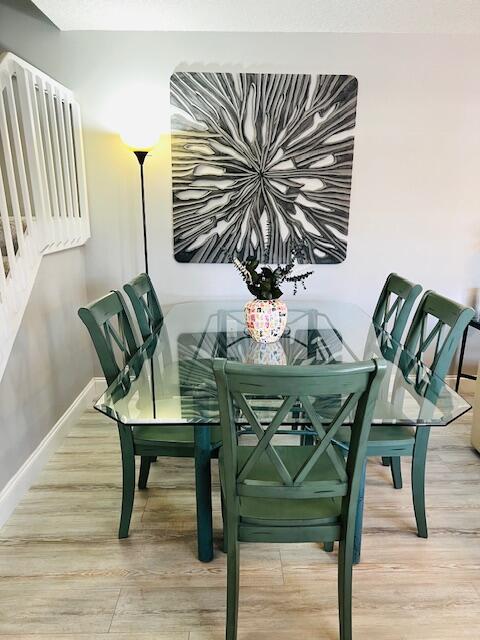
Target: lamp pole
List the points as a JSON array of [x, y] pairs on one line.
[[141, 155]]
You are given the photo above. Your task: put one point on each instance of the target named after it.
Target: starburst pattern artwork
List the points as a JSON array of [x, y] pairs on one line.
[[261, 163]]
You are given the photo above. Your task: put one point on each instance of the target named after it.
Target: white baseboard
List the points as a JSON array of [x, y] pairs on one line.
[[99, 386], [20, 483]]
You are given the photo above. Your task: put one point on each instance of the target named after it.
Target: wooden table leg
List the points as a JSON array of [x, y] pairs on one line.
[[203, 491]]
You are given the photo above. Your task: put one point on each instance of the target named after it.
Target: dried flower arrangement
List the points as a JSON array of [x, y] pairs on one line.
[[264, 284]]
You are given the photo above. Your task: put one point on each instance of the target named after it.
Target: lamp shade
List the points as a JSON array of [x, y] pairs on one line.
[[139, 136], [135, 115]]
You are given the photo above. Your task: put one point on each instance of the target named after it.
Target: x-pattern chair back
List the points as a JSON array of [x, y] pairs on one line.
[[435, 332], [293, 388], [395, 304], [325, 431], [115, 345], [145, 304]]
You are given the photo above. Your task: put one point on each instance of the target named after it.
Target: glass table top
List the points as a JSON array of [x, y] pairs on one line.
[[170, 379]]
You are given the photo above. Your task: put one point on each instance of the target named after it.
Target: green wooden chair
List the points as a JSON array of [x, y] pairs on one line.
[[437, 328], [115, 346], [284, 493], [109, 325], [145, 304], [394, 305], [391, 315]]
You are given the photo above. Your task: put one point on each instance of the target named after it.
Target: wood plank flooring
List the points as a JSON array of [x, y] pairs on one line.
[[65, 576]]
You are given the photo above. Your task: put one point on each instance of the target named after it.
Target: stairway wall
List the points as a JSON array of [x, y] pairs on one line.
[[50, 362]]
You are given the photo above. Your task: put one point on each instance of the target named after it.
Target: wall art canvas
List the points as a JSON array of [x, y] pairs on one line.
[[260, 164]]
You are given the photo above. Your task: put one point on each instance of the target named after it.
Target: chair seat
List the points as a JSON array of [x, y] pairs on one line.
[[175, 435], [382, 436], [285, 511]]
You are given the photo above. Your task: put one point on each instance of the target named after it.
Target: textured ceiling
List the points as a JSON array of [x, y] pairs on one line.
[[348, 16]]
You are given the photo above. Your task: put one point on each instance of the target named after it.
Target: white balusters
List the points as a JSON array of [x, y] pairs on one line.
[[43, 196]]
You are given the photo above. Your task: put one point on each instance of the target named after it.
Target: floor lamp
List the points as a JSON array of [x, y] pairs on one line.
[[141, 145]]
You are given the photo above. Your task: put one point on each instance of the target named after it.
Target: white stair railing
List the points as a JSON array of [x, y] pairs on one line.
[[43, 196]]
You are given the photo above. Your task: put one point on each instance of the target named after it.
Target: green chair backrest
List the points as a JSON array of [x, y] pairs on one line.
[[145, 304], [239, 386], [437, 327], [395, 304], [111, 342]]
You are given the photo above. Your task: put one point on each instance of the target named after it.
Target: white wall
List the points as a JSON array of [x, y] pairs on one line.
[[414, 205], [415, 201]]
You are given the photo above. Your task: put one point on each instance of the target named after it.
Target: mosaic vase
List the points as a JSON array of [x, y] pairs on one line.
[[265, 319]]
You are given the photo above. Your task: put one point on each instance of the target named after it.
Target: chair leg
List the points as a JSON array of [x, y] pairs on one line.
[[328, 547], [233, 583], [128, 469], [144, 471], [345, 566], [224, 522], [418, 479], [386, 461], [357, 544], [396, 469]]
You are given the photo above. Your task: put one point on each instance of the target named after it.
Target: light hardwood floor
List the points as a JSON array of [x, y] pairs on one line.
[[65, 576]]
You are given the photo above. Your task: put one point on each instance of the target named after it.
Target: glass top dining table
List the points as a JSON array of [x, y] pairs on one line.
[[169, 381]]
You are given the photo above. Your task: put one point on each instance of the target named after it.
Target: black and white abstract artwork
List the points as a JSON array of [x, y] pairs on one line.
[[260, 164]]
